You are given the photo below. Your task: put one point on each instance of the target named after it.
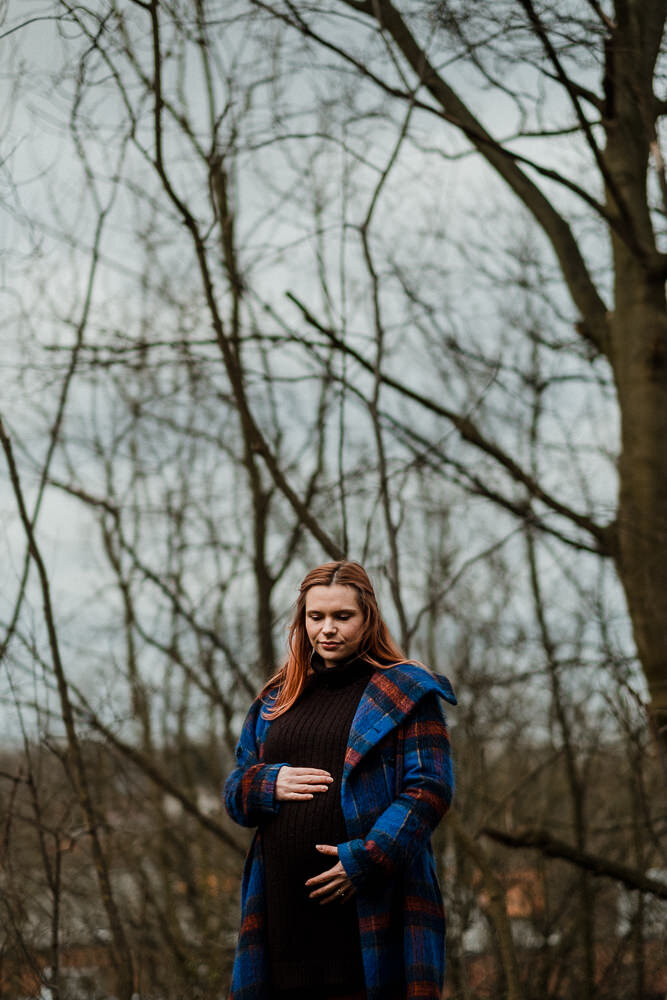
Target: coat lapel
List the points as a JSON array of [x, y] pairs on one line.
[[389, 697]]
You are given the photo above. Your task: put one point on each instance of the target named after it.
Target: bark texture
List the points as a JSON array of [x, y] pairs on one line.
[[638, 342]]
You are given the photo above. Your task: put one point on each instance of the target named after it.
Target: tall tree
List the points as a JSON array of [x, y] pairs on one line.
[[578, 76]]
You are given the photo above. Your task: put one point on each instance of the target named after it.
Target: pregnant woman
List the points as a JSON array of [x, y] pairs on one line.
[[344, 767]]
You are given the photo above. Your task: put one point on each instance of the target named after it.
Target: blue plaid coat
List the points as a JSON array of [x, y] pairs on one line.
[[397, 783]]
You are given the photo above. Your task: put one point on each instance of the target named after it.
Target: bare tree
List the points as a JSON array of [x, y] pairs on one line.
[[591, 72]]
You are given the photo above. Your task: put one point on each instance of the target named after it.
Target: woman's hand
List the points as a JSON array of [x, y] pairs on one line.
[[300, 783], [332, 885]]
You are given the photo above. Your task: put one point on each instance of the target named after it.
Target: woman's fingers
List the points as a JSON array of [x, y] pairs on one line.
[[334, 892], [330, 849], [311, 779], [330, 886], [328, 875], [311, 772], [301, 782]]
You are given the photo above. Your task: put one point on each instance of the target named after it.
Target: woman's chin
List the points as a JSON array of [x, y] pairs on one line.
[[332, 655]]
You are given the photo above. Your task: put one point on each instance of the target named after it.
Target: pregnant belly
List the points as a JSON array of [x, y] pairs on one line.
[[290, 835]]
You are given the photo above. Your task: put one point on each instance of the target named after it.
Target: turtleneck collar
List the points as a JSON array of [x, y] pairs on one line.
[[341, 672]]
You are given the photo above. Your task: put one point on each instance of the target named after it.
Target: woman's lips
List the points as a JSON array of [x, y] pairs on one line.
[[329, 645]]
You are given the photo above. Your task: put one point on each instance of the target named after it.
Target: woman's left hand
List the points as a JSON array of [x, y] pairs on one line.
[[332, 885]]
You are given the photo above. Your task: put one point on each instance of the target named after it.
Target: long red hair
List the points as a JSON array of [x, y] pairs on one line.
[[376, 647]]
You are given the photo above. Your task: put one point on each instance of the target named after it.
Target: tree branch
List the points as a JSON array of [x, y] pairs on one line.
[[541, 840], [566, 83], [580, 284], [604, 534]]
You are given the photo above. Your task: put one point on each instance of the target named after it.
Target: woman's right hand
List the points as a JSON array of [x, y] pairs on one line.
[[294, 783]]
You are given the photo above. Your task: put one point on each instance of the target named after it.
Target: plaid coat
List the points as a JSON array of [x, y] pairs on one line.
[[397, 783]]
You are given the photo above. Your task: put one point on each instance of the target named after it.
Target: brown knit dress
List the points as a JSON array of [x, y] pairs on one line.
[[312, 946]]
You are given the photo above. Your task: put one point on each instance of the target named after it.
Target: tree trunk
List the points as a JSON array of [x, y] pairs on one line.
[[640, 368], [638, 348]]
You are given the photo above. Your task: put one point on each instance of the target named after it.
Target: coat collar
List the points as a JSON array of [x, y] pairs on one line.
[[389, 697]]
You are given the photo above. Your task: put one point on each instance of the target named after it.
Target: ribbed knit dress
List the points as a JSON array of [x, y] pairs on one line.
[[312, 945]]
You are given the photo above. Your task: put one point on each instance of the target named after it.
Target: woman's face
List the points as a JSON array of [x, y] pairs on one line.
[[334, 621]]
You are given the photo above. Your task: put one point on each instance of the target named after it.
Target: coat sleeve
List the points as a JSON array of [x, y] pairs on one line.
[[426, 790], [250, 790]]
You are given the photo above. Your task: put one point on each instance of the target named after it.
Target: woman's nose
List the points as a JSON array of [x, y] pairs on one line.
[[329, 627]]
